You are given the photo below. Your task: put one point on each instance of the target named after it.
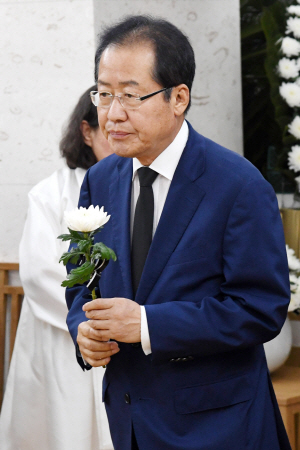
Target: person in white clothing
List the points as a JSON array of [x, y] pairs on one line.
[[49, 402]]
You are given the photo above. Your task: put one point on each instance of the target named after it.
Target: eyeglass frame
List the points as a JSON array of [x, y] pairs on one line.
[[120, 96]]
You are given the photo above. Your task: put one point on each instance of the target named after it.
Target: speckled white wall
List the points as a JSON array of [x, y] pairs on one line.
[[46, 63], [213, 27]]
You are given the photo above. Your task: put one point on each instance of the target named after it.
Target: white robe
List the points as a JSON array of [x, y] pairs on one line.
[[49, 402]]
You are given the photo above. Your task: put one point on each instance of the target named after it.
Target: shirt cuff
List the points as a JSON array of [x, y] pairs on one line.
[[145, 338]]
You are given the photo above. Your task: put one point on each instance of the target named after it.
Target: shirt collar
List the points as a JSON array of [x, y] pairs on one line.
[[165, 164]]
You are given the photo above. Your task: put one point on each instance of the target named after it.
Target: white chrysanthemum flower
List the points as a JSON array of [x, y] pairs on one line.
[[294, 10], [86, 220], [294, 302], [293, 26], [294, 127], [293, 261], [294, 158], [294, 281], [295, 293], [288, 68], [291, 94], [290, 46]]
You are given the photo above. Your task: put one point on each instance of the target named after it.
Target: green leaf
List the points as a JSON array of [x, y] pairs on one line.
[[71, 256], [85, 245], [112, 254], [76, 236], [101, 251], [254, 55], [65, 257], [266, 114], [65, 237], [79, 275], [273, 23], [243, 3], [250, 30], [289, 140]]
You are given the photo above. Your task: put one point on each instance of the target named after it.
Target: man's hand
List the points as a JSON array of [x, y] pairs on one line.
[[114, 318], [95, 352]]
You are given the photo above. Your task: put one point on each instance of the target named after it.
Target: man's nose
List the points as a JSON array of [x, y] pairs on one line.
[[116, 110]]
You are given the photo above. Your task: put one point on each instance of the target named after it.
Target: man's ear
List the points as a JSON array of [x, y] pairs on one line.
[[181, 98], [86, 132]]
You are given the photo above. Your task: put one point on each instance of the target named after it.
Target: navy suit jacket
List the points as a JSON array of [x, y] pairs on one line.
[[215, 287]]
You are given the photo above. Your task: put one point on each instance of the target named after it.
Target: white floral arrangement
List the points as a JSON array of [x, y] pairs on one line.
[[294, 268], [289, 70]]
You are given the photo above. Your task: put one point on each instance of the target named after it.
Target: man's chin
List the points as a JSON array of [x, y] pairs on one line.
[[123, 151]]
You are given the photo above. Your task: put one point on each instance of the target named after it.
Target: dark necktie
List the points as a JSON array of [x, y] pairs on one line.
[[142, 225]]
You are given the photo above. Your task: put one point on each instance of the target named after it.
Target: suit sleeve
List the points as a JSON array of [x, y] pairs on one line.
[[251, 306]]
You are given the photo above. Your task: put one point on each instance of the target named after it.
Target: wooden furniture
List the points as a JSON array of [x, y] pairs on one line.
[[286, 383], [15, 295]]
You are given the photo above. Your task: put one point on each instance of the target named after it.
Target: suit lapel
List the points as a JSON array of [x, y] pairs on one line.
[[183, 199], [120, 201]]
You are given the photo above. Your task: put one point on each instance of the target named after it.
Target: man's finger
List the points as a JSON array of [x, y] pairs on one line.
[[103, 325], [93, 344], [101, 335], [97, 363], [99, 314], [86, 329], [98, 303], [98, 355]]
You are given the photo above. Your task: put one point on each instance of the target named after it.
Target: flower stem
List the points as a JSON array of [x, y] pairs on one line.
[[94, 296]]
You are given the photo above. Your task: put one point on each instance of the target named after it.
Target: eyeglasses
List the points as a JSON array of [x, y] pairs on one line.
[[128, 101]]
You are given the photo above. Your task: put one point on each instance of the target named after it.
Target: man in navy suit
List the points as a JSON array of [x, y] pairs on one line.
[[181, 332]]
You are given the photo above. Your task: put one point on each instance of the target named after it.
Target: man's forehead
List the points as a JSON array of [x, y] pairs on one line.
[[121, 83], [143, 53], [126, 66]]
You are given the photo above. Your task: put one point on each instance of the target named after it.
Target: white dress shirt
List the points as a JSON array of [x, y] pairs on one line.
[[165, 165]]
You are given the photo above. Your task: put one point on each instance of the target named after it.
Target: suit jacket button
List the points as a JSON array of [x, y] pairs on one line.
[[127, 399]]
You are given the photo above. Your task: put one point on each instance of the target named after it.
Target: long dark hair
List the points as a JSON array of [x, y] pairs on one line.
[[174, 55], [72, 145]]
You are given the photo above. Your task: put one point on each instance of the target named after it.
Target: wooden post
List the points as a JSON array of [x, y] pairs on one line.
[[3, 282], [16, 293]]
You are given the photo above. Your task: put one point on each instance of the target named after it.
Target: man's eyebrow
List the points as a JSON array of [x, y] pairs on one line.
[[121, 83], [129, 83], [103, 82]]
